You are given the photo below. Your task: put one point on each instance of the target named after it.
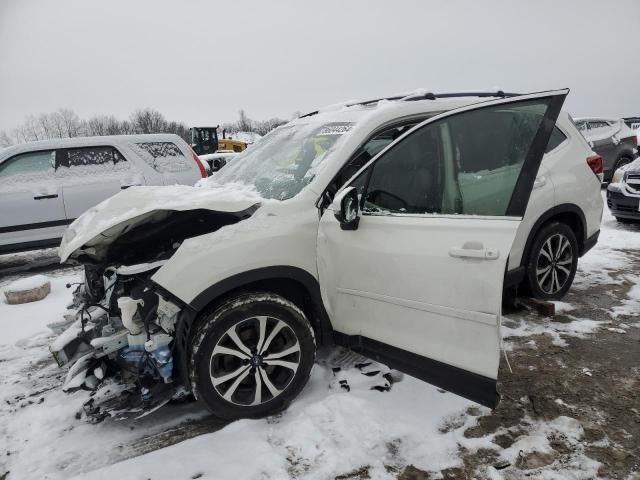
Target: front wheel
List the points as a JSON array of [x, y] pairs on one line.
[[552, 262], [251, 356]]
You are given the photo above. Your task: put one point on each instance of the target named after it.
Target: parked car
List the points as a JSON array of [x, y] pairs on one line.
[[383, 226], [46, 185], [217, 160], [634, 124], [612, 139], [623, 193]]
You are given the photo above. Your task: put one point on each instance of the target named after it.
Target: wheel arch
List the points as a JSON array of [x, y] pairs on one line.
[[567, 213], [293, 283]]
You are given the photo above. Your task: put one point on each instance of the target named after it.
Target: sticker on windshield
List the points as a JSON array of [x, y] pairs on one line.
[[335, 129]]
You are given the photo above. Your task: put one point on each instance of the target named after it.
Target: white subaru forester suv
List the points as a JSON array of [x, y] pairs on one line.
[[383, 226]]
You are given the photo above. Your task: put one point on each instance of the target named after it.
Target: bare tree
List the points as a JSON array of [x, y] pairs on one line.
[[104, 125], [126, 127], [179, 129], [47, 122], [32, 130], [265, 126], [65, 123], [148, 120], [71, 123], [5, 139], [244, 122]]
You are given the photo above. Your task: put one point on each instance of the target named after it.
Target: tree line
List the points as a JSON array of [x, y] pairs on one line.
[[65, 123]]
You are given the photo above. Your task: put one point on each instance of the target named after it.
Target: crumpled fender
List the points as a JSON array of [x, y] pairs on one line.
[[102, 224]]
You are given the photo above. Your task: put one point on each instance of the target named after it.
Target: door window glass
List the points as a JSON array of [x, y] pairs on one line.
[[89, 164], [467, 163], [118, 157], [366, 152], [163, 157], [78, 157], [26, 164]]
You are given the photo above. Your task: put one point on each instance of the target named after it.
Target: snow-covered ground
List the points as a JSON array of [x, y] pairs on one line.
[[327, 432]]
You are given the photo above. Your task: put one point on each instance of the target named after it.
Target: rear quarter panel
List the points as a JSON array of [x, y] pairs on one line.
[[567, 180], [574, 181]]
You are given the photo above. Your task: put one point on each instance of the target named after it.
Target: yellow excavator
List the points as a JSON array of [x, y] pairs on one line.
[[204, 140]]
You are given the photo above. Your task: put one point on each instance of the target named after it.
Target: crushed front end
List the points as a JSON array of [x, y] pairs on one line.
[[117, 339]]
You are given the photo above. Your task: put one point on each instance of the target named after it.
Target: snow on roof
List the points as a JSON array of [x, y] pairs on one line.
[[85, 142], [349, 112]]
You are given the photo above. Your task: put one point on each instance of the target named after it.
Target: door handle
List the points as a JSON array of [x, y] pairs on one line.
[[45, 196], [474, 250]]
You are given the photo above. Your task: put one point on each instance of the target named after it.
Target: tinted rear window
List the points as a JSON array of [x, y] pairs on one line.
[[84, 156], [163, 157]]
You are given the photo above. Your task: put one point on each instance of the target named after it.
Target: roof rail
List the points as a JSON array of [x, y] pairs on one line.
[[428, 96]]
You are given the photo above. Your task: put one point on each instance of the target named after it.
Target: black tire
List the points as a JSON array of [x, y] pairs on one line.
[[240, 319], [622, 161], [547, 241]]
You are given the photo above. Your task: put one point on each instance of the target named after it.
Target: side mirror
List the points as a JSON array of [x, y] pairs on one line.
[[346, 208]]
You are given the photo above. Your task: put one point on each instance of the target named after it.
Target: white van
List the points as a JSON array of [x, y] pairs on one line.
[[46, 185]]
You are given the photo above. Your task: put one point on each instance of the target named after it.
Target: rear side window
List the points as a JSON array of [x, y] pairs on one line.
[[91, 158], [556, 139], [163, 157], [27, 164]]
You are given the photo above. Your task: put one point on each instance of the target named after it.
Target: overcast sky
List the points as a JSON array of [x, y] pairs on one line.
[[201, 61]]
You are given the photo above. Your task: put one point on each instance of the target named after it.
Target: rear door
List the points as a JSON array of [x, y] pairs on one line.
[[31, 208], [90, 175], [418, 285]]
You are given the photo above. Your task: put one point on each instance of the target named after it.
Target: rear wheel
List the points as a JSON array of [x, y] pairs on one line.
[[252, 356], [552, 262], [622, 161]]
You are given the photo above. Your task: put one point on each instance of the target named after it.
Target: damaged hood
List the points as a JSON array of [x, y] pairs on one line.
[[101, 225]]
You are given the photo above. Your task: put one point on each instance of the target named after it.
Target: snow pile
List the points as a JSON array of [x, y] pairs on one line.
[[613, 252], [631, 306], [533, 450], [246, 137], [523, 327], [27, 283], [28, 319]]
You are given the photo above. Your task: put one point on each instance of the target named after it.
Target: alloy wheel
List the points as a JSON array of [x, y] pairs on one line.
[[255, 360], [554, 263]]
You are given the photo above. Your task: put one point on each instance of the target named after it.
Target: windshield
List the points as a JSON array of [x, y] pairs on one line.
[[284, 161]]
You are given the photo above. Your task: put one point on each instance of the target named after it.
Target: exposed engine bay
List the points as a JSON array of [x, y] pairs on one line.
[[118, 334]]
